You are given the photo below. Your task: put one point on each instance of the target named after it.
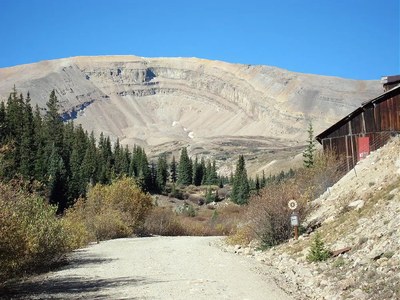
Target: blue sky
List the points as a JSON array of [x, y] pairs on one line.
[[356, 39]]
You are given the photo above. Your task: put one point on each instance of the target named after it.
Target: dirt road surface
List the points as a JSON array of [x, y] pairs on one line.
[[154, 268]]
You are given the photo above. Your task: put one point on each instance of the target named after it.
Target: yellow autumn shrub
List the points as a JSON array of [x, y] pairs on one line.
[[31, 235], [110, 211]]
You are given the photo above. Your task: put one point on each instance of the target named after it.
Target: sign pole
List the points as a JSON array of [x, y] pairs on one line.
[[294, 218]]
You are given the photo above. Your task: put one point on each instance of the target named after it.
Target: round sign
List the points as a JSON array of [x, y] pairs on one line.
[[292, 204]]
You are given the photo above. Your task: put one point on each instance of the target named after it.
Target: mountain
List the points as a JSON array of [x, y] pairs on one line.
[[216, 108]]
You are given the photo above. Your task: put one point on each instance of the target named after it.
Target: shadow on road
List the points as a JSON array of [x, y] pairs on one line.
[[69, 287]]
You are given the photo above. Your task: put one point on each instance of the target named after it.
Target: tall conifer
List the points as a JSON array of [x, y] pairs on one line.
[[241, 189], [185, 168]]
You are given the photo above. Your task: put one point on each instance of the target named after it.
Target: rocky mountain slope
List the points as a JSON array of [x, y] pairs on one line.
[[360, 212], [217, 108]]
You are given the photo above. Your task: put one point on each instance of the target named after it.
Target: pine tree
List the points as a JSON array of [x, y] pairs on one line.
[[154, 187], [90, 162], [173, 169], [162, 171], [318, 251], [40, 161], [231, 178], [263, 180], [57, 181], [185, 168], [14, 126], [258, 185], [240, 190], [53, 125], [27, 162], [197, 172], [118, 158], [308, 154], [3, 124], [213, 176]]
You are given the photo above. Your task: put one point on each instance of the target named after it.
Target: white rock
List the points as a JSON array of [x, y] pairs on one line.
[[358, 204], [359, 294]]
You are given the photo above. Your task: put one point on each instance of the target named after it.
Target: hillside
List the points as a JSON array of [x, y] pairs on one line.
[[361, 211], [217, 108]]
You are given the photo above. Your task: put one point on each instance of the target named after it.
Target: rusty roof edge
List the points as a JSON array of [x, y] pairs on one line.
[[388, 94]]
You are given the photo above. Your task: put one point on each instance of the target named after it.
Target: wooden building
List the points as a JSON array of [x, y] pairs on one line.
[[367, 128]]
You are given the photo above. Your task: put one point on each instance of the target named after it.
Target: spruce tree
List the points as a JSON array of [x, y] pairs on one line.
[[3, 124], [57, 181], [240, 190], [53, 125], [174, 175], [27, 162], [162, 171], [197, 172], [263, 180], [308, 154], [257, 184], [185, 168], [90, 162]]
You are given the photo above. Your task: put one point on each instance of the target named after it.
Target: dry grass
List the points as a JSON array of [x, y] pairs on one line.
[[268, 216], [220, 221]]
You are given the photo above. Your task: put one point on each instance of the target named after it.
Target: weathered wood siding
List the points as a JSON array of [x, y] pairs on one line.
[[376, 120]]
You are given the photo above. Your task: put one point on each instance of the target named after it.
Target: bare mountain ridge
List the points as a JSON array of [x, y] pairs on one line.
[[217, 108]]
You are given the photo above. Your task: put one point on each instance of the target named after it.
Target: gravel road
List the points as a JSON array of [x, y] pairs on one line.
[[154, 268]]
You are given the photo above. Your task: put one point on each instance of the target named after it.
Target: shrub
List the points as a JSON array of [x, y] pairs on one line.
[[110, 211], [318, 252], [31, 236], [163, 221], [268, 215]]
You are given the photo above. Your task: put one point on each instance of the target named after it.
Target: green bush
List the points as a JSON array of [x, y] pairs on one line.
[[318, 252]]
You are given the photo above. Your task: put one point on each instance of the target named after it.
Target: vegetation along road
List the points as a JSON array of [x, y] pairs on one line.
[[154, 268]]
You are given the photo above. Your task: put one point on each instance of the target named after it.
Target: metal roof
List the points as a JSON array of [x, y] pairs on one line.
[[387, 95]]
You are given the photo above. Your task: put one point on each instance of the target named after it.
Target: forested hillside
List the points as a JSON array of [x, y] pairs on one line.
[[59, 159]]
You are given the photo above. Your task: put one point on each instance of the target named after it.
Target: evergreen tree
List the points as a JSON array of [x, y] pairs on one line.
[[208, 195], [141, 168], [90, 162], [53, 126], [258, 185], [231, 178], [308, 154], [118, 158], [213, 176], [174, 175], [3, 124], [14, 127], [27, 162], [263, 180], [57, 181], [162, 171], [185, 168], [153, 179], [240, 190], [197, 172]]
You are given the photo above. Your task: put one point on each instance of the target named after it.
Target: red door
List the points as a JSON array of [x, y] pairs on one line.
[[363, 147]]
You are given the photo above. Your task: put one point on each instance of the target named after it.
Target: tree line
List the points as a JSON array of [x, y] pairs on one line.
[[60, 159]]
